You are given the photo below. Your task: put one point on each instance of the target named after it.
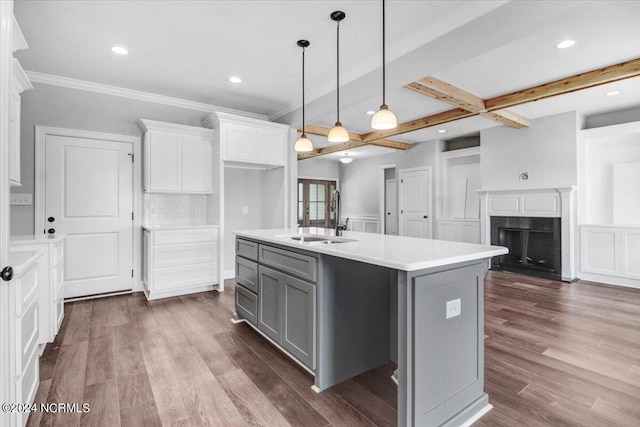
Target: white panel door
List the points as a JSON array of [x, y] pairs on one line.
[[391, 207], [89, 198], [415, 205]]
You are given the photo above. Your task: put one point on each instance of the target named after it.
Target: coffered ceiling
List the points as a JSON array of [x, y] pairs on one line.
[[189, 49]]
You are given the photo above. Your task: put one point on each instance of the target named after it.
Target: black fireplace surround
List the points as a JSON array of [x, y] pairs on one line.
[[534, 245]]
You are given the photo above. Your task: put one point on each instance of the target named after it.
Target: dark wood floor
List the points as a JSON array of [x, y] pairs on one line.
[[556, 354]]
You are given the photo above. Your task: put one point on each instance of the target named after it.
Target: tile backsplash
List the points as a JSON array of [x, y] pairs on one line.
[[162, 210]]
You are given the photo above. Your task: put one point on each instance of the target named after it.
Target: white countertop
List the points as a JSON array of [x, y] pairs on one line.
[[22, 261], [176, 227], [29, 239], [398, 252]]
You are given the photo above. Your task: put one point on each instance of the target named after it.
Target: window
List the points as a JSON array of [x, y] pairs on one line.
[[314, 197]]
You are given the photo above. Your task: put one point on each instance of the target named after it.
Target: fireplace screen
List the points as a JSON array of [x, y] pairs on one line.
[[534, 245]]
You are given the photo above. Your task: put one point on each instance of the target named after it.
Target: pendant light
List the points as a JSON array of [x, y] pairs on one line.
[[384, 118], [346, 159], [338, 133], [303, 144]]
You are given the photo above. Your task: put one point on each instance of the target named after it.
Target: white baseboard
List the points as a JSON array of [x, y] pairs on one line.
[[477, 416], [611, 280], [229, 274], [180, 291]]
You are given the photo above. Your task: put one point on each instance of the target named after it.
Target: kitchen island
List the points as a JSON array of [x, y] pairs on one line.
[[340, 306]]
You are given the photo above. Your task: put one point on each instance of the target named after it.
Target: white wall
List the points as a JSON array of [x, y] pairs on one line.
[[359, 182], [462, 179], [74, 109], [319, 168], [547, 151]]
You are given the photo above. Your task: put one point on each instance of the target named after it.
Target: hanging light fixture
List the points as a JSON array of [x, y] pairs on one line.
[[346, 159], [384, 118], [303, 144], [338, 133]]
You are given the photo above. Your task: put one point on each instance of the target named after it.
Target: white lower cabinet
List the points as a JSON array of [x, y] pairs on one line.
[[467, 231], [610, 251], [180, 261], [23, 329], [50, 278]]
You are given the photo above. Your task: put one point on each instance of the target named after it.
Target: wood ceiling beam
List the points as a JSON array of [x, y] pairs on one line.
[[355, 140], [610, 74], [455, 96]]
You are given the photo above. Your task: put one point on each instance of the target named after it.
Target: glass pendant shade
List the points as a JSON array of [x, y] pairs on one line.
[[303, 144], [338, 134], [384, 119]]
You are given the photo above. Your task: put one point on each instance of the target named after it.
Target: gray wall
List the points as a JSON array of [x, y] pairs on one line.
[[319, 168], [613, 118], [75, 109], [359, 183]]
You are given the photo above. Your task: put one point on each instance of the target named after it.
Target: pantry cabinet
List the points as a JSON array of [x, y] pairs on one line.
[[177, 158]]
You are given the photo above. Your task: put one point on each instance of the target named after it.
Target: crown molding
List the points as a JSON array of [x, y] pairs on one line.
[[53, 80]]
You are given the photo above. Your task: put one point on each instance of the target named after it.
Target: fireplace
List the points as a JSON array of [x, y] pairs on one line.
[[534, 245]]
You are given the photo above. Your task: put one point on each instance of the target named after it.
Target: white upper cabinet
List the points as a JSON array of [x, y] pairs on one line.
[[177, 158], [248, 140]]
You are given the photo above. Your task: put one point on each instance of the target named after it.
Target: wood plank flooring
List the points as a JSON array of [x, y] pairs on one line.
[[556, 354]]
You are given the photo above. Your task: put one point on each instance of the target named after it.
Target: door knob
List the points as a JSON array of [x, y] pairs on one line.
[[425, 216], [51, 230], [51, 219], [7, 273], [388, 213]]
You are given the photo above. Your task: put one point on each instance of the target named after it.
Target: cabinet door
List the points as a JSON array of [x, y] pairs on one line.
[[197, 160], [446, 231], [469, 232], [14, 139], [271, 147], [298, 335], [240, 143], [163, 162], [270, 303]]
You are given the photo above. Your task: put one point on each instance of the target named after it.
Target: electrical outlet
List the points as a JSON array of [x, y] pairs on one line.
[[245, 210], [21, 199], [453, 308]]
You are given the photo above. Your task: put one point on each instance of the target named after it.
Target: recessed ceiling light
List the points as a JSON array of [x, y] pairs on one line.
[[613, 93], [371, 112], [235, 79], [441, 131], [119, 50], [565, 44]]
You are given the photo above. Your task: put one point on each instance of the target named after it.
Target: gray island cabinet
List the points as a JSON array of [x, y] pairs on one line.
[[340, 306]]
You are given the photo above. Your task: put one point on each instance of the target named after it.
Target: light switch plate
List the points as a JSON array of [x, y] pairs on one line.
[[454, 308], [21, 199], [245, 210]]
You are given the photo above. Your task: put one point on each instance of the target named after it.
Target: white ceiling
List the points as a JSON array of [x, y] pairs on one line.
[[189, 49]]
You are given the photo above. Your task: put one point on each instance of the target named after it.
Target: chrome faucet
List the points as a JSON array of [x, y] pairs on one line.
[[335, 208]]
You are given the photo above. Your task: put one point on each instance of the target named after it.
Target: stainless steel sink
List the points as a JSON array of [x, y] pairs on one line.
[[309, 239], [318, 240]]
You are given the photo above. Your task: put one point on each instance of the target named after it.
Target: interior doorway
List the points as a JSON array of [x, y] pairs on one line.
[[415, 202], [388, 199]]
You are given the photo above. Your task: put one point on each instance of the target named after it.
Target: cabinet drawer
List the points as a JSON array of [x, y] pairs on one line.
[[168, 237], [247, 273], [303, 266], [27, 330], [183, 255], [180, 277], [247, 249], [247, 304]]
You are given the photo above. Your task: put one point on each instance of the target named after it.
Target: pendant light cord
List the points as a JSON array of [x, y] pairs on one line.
[[338, 72], [304, 135], [384, 89]]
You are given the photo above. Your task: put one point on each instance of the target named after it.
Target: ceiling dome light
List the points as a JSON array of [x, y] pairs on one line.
[[338, 133], [119, 50], [303, 144], [384, 118], [346, 159], [613, 93], [565, 44], [371, 112], [235, 79], [441, 130]]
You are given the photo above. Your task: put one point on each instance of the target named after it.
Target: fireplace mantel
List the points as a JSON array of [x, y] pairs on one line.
[[559, 202]]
